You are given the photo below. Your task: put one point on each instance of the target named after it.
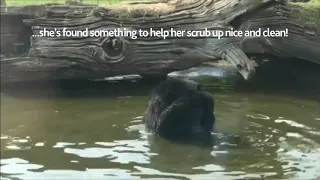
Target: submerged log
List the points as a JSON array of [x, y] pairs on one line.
[[61, 57]]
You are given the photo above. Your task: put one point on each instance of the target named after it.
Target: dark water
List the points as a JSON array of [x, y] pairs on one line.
[[100, 136]]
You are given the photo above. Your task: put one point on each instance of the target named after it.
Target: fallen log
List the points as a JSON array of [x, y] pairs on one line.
[[98, 57]]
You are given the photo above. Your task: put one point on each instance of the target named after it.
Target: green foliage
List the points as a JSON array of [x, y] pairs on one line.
[[310, 5], [119, 8], [38, 2], [308, 12]]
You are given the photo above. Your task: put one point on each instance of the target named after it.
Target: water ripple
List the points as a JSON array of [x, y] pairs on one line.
[[124, 152], [104, 138], [292, 123], [259, 116]]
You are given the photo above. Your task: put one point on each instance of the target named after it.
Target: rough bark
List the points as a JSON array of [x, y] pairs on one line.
[[90, 58]]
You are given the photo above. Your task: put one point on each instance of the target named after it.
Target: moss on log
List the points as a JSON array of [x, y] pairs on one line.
[[98, 57]]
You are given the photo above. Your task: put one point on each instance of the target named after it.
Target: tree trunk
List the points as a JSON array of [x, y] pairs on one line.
[[98, 57]]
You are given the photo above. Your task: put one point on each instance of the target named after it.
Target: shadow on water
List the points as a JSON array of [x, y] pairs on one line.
[[75, 89], [94, 130], [285, 77]]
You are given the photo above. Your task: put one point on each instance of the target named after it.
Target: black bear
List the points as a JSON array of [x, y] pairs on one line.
[[180, 110]]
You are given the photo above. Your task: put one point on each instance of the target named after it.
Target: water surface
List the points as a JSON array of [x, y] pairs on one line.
[[101, 136]]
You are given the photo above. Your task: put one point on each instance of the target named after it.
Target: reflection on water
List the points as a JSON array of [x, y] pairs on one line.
[[102, 137]]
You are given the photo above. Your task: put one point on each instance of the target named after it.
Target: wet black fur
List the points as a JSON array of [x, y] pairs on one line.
[[180, 110]]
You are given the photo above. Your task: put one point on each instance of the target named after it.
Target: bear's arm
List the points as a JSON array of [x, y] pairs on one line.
[[208, 120], [179, 118]]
